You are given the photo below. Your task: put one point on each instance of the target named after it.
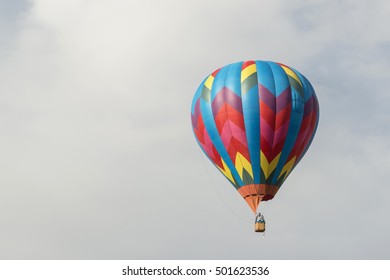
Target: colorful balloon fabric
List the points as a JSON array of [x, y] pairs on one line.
[[255, 121]]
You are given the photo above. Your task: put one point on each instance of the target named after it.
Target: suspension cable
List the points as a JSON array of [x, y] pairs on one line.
[[218, 193]]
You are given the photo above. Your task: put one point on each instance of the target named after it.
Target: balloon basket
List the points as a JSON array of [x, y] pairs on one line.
[[259, 227]]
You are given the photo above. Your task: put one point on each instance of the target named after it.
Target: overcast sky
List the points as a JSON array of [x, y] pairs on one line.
[[97, 154]]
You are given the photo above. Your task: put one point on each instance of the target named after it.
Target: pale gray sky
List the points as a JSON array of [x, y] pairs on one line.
[[97, 155]]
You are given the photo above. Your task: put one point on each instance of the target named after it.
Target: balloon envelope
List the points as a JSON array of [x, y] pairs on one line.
[[255, 121]]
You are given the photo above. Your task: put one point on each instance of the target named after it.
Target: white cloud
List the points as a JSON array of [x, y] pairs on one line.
[[97, 148]]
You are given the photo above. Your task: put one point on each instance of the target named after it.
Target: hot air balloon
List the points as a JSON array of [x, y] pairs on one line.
[[255, 120]]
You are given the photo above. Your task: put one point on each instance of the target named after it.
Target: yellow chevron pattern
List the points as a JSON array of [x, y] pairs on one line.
[[209, 82], [267, 167], [226, 171], [291, 74], [287, 167], [241, 164], [247, 72]]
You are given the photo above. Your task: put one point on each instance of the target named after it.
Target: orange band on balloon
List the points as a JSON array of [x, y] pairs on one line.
[[254, 193]]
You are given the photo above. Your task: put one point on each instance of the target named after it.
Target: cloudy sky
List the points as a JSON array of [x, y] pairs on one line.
[[97, 155]]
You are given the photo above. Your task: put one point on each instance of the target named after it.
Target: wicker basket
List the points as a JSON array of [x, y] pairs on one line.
[[259, 227]]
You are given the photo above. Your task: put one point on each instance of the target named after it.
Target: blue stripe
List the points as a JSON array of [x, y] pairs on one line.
[[219, 81], [233, 78], [265, 76], [251, 112], [311, 92], [305, 83], [280, 78], [210, 126], [282, 82]]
